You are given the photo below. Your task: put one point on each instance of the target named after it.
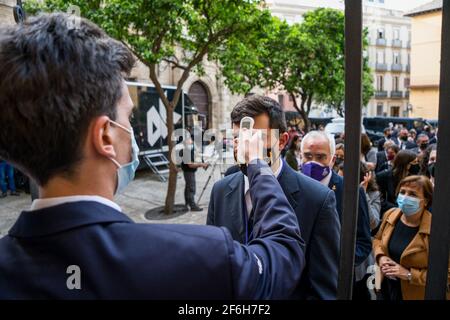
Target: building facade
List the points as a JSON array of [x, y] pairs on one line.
[[388, 51], [425, 59], [6, 11]]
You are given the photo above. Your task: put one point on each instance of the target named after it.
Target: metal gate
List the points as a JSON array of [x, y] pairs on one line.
[[436, 286]]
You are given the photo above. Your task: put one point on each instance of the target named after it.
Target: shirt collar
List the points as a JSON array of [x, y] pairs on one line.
[[326, 181], [51, 202], [276, 173]]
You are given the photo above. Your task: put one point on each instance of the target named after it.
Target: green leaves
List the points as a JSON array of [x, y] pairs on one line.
[[306, 60]]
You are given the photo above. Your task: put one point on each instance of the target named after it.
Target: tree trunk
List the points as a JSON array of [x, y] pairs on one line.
[[172, 185], [301, 111]]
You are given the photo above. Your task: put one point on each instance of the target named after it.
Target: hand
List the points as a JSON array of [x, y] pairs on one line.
[[385, 260], [366, 180], [205, 165], [370, 165], [253, 146], [395, 270]]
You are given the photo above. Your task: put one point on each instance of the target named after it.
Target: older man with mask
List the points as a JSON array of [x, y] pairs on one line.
[[318, 157]]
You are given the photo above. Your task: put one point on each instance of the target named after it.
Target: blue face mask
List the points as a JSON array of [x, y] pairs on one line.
[[125, 172], [408, 205]]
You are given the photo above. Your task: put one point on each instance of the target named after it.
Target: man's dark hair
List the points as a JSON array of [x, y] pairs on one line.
[[256, 105], [54, 80]]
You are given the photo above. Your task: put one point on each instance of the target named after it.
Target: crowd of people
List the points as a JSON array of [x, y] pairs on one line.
[[397, 180]]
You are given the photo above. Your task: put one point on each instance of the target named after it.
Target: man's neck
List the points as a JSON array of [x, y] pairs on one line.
[[276, 165], [61, 187]]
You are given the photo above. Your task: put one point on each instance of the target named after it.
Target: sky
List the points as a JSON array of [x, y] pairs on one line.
[[404, 5]]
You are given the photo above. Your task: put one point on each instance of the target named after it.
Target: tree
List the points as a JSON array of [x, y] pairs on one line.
[[181, 33], [335, 98], [306, 60]]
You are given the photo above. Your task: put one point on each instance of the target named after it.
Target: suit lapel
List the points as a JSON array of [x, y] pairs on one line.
[[234, 200], [289, 183]]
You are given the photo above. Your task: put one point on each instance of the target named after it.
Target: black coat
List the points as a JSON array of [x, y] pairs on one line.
[[382, 161], [363, 237], [388, 186]]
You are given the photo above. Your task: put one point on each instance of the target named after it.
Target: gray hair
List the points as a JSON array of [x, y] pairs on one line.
[[321, 135]]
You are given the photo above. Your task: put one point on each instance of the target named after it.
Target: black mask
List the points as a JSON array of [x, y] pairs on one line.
[[424, 145], [403, 138], [414, 169], [243, 168], [431, 169], [389, 136], [338, 161]]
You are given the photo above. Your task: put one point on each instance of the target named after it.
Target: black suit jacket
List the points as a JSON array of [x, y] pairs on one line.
[[315, 208], [382, 161], [388, 187], [120, 259], [363, 238]]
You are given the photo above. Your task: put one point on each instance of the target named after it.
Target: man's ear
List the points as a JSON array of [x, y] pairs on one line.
[[102, 137], [333, 161], [283, 141]]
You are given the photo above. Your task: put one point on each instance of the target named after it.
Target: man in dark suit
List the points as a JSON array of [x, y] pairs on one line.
[[386, 157], [423, 141], [404, 143], [314, 204], [74, 242], [318, 156]]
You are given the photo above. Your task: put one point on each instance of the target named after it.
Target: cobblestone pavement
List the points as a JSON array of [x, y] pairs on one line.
[[144, 193]]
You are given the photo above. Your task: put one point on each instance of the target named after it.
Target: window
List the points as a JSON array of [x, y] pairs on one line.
[[380, 33], [380, 108], [380, 56], [397, 58], [380, 83], [395, 83], [396, 34], [407, 82], [290, 98], [281, 100], [395, 111]]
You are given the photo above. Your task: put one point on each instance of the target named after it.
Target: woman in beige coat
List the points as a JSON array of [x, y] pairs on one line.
[[401, 245]]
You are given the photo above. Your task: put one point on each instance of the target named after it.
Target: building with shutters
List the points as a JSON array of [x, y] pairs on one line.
[[425, 59]]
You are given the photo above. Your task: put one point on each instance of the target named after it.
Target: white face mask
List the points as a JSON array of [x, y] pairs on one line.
[[126, 172]]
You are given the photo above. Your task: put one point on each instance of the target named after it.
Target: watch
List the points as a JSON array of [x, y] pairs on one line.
[[409, 276]]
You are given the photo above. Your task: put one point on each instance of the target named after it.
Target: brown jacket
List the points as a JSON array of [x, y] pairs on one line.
[[415, 256]]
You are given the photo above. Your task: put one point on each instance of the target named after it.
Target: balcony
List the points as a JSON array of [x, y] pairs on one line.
[[381, 94], [381, 42], [381, 67], [396, 67], [396, 95], [397, 43]]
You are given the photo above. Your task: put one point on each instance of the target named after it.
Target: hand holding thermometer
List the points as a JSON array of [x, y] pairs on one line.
[[245, 134]]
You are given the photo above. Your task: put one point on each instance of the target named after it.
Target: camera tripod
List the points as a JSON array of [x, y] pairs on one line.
[[214, 165]]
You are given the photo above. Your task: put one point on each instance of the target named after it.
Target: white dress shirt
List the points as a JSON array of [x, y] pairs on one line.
[[51, 202], [326, 181], [248, 199]]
